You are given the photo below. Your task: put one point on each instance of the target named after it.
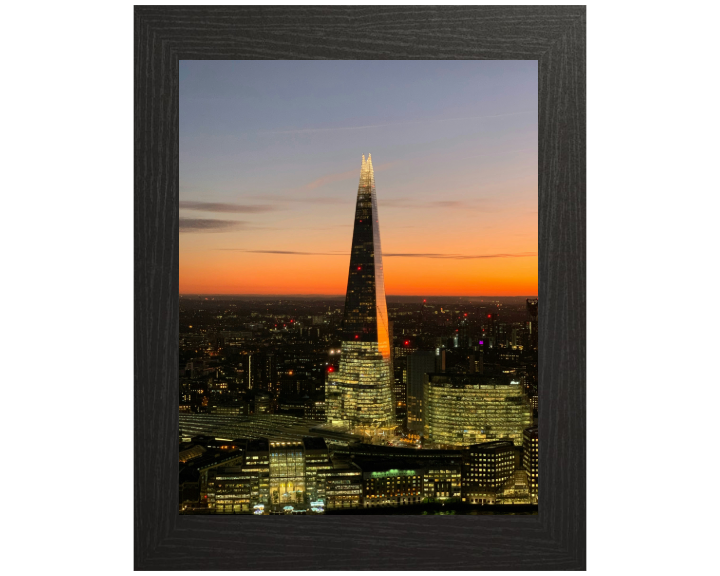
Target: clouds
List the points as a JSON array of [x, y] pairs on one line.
[[478, 204], [291, 252], [330, 178], [210, 225], [462, 256], [226, 207], [296, 198], [393, 124]]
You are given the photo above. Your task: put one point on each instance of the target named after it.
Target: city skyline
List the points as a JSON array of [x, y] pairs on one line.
[[266, 190]]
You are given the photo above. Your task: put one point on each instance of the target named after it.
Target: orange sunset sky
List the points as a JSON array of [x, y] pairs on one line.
[[270, 156]]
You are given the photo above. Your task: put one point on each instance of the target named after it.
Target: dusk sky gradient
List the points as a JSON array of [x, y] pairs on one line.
[[270, 155]]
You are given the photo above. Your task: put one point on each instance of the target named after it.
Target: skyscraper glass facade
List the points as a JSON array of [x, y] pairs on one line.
[[360, 394], [469, 409], [287, 472]]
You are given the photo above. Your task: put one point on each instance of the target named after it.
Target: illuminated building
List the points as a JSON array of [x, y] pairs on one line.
[[210, 461], [532, 308], [419, 364], [466, 409], [257, 459], [229, 408], [287, 473], [530, 459], [360, 392], [516, 490], [442, 481], [270, 373], [400, 388], [488, 468], [403, 482], [317, 461], [384, 485], [343, 487], [314, 410], [232, 490], [192, 452], [262, 403]]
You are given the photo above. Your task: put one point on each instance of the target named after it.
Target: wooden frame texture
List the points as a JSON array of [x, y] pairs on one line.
[[552, 540]]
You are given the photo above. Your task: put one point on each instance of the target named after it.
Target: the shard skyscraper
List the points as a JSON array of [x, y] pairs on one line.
[[360, 393]]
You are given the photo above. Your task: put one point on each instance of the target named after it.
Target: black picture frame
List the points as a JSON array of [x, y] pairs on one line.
[[555, 539]]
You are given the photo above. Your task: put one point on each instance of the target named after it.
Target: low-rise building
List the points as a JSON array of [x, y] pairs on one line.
[[343, 486], [488, 467], [231, 490]]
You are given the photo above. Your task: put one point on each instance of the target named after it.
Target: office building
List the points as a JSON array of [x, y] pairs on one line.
[[467, 409], [232, 490], [343, 486], [257, 459], [287, 473], [360, 393], [390, 484], [530, 459], [487, 469], [317, 461], [419, 364], [532, 308], [442, 481]]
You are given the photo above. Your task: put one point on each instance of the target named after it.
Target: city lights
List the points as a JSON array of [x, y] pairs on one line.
[[269, 425]]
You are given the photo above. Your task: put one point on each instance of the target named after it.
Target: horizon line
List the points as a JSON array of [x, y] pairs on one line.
[[343, 295]]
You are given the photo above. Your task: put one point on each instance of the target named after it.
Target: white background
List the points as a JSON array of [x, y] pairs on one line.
[[67, 322]]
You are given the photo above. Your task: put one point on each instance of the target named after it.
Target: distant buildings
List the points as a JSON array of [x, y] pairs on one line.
[[467, 409], [360, 393], [298, 406]]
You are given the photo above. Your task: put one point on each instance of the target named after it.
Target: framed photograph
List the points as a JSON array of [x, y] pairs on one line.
[[360, 288]]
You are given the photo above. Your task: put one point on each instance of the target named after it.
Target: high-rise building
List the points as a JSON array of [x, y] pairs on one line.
[[419, 364], [360, 393], [532, 308], [466, 409], [530, 459]]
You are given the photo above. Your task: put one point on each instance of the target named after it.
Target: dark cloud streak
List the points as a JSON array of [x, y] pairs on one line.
[[210, 225], [226, 207]]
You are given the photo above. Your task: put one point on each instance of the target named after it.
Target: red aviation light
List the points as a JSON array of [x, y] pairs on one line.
[[359, 267], [356, 336], [489, 315], [407, 342], [331, 369]]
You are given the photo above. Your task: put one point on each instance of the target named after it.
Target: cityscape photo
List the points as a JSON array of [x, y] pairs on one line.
[[358, 287]]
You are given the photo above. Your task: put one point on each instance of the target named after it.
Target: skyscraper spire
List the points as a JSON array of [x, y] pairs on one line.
[[360, 393]]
